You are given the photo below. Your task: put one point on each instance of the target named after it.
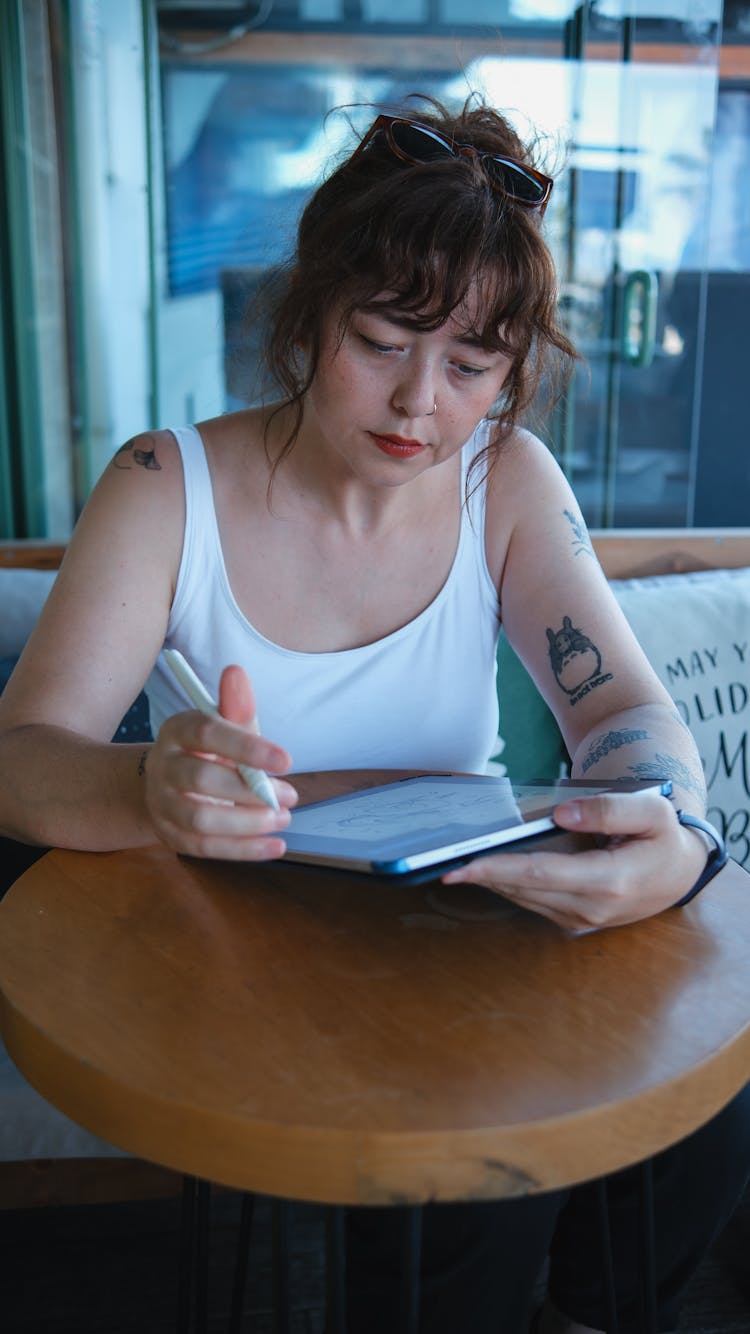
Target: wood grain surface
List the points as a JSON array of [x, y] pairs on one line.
[[333, 1037]]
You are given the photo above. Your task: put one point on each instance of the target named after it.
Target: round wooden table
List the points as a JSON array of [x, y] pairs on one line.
[[344, 1039]]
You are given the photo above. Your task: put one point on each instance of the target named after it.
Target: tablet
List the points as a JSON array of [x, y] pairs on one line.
[[433, 819]]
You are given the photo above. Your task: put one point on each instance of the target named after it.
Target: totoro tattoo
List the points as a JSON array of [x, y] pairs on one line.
[[575, 661]]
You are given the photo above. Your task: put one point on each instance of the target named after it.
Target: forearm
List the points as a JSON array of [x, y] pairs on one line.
[[61, 789], [650, 741]]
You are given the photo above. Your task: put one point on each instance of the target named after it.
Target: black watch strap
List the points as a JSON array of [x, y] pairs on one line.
[[717, 857]]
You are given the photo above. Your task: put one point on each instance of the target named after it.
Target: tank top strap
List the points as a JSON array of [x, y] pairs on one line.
[[474, 510], [201, 547]]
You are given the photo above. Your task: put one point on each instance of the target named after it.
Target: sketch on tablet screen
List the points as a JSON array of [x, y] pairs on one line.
[[397, 812]]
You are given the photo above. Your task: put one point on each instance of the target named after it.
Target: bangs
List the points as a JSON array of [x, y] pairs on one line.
[[488, 296], [471, 253]]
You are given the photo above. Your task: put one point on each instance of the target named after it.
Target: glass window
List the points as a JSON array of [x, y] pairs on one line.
[[36, 470], [188, 156]]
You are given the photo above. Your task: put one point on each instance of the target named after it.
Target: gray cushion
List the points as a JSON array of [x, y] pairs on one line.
[[22, 596], [30, 1127], [695, 631]]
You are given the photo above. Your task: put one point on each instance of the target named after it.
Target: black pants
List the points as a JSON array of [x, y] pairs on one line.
[[480, 1262]]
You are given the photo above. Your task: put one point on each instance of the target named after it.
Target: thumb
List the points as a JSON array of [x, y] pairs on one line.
[[237, 697]]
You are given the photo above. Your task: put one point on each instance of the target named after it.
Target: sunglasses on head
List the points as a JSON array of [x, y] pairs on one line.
[[417, 144]]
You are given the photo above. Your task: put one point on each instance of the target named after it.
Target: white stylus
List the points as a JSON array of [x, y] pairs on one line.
[[196, 692]]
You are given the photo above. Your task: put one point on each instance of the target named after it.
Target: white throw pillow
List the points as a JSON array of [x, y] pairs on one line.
[[695, 631], [22, 596]]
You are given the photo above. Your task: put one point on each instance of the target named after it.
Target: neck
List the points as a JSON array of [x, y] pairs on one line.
[[316, 477]]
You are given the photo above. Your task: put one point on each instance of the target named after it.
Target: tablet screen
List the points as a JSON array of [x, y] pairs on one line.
[[423, 820]]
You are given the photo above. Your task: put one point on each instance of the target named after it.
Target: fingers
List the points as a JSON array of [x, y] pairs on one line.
[[229, 742], [552, 884], [632, 876], [206, 825], [237, 697], [197, 799], [202, 828], [642, 813], [208, 775]]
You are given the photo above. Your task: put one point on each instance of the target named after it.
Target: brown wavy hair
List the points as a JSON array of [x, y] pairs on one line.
[[383, 234]]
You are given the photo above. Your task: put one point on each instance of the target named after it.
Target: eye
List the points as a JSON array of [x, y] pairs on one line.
[[469, 372], [372, 343]]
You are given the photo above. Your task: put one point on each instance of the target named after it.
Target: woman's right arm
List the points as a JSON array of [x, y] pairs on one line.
[[62, 782]]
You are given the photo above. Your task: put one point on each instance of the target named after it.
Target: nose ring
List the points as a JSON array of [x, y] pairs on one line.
[[434, 410]]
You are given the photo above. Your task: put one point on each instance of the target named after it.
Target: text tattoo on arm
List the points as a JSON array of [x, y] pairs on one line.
[[144, 458], [575, 660]]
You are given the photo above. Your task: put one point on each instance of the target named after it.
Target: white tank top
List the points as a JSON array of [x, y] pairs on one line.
[[422, 697]]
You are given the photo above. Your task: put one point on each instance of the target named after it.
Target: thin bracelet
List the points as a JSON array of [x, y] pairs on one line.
[[717, 857]]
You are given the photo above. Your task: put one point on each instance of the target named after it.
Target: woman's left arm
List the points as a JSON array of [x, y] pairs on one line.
[[617, 719]]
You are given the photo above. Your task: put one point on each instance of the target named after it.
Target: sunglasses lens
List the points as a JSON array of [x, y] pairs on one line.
[[514, 181], [417, 143]]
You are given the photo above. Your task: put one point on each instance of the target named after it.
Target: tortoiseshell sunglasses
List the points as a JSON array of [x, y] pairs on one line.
[[413, 142]]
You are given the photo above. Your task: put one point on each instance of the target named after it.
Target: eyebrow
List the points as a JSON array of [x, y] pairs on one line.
[[472, 340]]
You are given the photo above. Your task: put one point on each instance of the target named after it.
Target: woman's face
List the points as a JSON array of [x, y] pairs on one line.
[[373, 394]]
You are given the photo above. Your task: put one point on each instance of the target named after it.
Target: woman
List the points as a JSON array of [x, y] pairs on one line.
[[352, 549]]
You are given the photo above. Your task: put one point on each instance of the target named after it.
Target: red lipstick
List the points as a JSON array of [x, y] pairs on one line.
[[396, 446]]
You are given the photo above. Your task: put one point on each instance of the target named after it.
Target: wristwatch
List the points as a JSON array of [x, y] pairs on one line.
[[717, 857]]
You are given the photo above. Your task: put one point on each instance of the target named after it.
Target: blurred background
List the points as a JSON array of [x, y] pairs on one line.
[[155, 156]]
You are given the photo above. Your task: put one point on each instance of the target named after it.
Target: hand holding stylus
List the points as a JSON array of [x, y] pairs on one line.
[[207, 792], [256, 779]]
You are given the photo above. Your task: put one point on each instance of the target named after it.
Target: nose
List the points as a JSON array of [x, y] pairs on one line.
[[415, 396]]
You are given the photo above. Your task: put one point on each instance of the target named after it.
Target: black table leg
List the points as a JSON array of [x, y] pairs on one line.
[[282, 1226], [411, 1270], [647, 1303], [193, 1263], [647, 1249], [608, 1272], [201, 1255], [335, 1270], [185, 1269], [247, 1210]]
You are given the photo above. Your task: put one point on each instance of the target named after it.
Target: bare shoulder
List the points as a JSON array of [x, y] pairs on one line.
[[105, 619], [137, 502], [528, 496], [524, 463], [235, 445], [545, 528]]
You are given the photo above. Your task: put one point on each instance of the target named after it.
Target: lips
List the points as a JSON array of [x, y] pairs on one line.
[[396, 446]]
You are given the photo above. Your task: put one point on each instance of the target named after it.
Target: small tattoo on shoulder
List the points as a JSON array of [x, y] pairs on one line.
[[609, 741], [144, 458], [581, 539], [575, 660], [142, 763]]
